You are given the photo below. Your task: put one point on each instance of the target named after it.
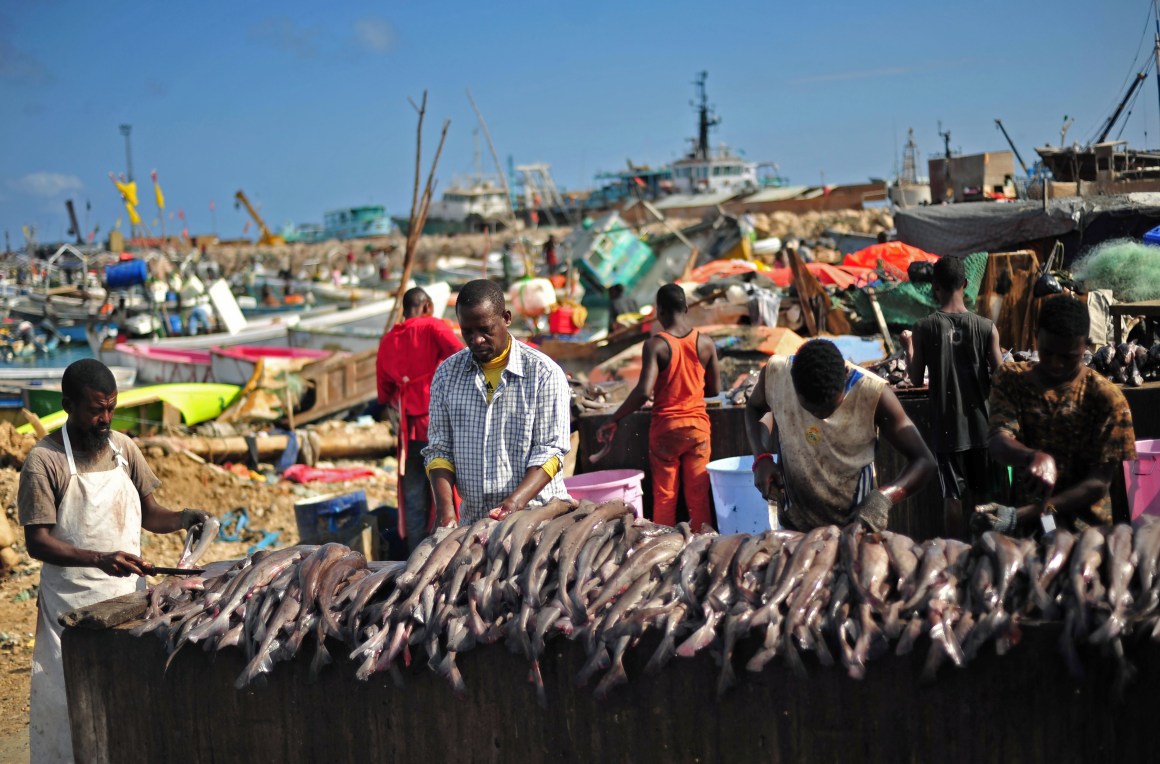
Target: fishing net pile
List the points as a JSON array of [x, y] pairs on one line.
[[1128, 267], [601, 577]]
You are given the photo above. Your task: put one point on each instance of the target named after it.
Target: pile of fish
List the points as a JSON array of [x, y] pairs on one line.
[[894, 369], [599, 576], [588, 398], [1128, 363]]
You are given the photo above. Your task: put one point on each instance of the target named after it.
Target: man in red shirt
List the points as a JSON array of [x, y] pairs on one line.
[[408, 356]]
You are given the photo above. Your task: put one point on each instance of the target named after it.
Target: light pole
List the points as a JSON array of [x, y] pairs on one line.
[[125, 130]]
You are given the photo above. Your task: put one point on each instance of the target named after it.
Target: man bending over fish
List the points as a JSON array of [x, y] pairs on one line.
[[827, 414], [499, 418], [85, 494], [1064, 428]]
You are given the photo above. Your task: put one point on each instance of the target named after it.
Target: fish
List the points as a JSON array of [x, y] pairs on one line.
[[1121, 566], [197, 540]]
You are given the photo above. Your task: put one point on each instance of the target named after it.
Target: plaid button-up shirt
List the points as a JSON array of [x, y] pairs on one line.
[[492, 445]]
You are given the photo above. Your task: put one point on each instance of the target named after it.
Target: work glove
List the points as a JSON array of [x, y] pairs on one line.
[[192, 517], [993, 517], [874, 510]]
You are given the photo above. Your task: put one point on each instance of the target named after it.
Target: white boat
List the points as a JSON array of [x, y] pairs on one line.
[[359, 328], [340, 339], [31, 376]]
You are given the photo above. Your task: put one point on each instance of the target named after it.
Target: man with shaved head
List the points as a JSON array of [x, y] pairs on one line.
[[500, 417], [85, 494], [408, 356]]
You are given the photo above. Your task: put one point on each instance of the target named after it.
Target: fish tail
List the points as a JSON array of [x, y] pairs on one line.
[[612, 679], [321, 658]]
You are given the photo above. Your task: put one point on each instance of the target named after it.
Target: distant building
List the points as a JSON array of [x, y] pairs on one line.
[[972, 177]]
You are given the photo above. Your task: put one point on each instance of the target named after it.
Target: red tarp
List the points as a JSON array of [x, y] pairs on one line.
[[893, 253], [301, 473]]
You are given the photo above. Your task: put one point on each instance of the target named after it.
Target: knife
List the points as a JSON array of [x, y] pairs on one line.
[[176, 571]]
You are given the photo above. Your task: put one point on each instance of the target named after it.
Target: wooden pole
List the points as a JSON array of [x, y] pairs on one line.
[[419, 208]]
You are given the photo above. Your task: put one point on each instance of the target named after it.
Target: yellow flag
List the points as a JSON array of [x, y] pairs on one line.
[[157, 190], [118, 225], [128, 191], [134, 218]]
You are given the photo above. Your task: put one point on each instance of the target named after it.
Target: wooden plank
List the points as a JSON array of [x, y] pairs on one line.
[[107, 613]]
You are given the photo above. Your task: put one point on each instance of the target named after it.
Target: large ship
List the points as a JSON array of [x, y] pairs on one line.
[[356, 223], [704, 170]]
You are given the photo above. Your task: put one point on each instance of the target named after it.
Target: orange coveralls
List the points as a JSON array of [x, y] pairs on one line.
[[679, 435]]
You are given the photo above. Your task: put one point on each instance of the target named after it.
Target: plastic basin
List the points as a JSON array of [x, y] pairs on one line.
[[1142, 479], [609, 485], [740, 506]]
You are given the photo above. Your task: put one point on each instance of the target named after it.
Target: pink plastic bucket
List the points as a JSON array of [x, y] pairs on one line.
[[1142, 479], [609, 485]]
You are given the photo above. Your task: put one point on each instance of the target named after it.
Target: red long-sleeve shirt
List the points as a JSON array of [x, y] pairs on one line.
[[413, 349]]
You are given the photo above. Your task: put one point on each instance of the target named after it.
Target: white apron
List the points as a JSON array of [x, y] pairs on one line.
[[99, 511]]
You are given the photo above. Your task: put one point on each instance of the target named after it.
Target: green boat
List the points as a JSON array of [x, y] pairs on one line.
[[142, 410]]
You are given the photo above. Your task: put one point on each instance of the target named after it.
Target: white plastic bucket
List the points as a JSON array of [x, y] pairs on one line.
[[609, 485], [1142, 479], [740, 506]]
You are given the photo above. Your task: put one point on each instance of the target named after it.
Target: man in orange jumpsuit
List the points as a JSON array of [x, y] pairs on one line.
[[408, 356], [678, 369]]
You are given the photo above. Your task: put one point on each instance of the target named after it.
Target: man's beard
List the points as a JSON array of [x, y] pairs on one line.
[[93, 441]]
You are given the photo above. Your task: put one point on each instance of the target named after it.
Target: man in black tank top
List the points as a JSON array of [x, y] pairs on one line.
[[961, 351]]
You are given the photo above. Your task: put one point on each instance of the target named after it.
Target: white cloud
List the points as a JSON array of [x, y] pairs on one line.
[[47, 184], [374, 35]]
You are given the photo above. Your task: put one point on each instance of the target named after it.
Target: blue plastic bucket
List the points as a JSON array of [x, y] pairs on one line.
[[127, 274], [322, 518]]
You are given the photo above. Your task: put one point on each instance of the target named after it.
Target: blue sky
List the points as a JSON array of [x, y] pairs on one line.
[[304, 104]]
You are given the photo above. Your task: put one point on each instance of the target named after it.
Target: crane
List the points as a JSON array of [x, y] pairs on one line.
[[265, 237], [1011, 143]]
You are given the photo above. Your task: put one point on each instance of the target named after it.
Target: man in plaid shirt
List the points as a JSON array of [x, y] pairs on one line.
[[500, 417]]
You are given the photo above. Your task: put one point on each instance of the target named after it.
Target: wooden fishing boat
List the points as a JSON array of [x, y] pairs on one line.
[[235, 365], [147, 410], [156, 364]]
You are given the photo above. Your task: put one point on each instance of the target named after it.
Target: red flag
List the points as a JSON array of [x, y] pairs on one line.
[[185, 233], [181, 214], [640, 182], [212, 207]]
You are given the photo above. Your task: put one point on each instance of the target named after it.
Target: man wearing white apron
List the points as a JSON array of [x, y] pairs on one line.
[[85, 494]]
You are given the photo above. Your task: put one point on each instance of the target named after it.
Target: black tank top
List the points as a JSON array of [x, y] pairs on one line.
[[955, 348]]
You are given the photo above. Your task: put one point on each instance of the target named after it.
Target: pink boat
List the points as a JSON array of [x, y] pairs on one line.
[[235, 365], [157, 365]]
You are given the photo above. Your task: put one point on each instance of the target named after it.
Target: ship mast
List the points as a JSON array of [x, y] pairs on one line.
[[706, 118]]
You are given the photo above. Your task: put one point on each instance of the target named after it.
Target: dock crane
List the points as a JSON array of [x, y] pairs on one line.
[[1011, 143], [265, 237]]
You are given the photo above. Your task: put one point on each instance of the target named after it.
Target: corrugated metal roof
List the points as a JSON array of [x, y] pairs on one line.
[[778, 194], [677, 201]]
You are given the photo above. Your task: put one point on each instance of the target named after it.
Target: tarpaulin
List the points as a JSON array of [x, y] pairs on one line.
[[893, 253], [301, 473]]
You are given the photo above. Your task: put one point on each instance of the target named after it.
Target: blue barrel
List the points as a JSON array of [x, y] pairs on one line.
[[126, 274], [329, 518]]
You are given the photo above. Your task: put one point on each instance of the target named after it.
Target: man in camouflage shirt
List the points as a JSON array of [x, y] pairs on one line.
[[1064, 428]]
